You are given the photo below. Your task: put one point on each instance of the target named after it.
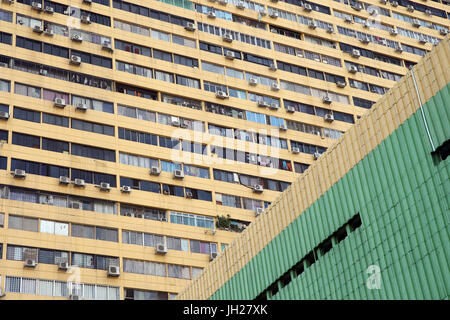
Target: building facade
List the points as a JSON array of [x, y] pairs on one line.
[[139, 139], [369, 220]]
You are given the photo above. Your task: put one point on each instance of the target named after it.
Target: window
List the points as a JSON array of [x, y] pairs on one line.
[[3, 163], [26, 140], [92, 127], [5, 85], [55, 120], [26, 90], [181, 272], [83, 231], [23, 223], [93, 152], [37, 168]]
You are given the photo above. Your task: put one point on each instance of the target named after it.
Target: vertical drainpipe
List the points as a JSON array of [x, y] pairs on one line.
[[421, 110]]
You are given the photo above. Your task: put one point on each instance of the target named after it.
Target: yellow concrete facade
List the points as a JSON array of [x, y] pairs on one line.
[[256, 235]]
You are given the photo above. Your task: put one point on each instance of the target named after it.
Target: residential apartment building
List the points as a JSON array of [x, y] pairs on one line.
[[140, 138]]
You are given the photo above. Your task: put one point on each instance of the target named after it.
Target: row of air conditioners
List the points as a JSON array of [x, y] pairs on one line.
[[156, 171], [103, 186], [61, 103], [40, 30]]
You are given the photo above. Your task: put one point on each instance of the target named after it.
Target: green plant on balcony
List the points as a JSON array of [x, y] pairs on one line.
[[223, 222]]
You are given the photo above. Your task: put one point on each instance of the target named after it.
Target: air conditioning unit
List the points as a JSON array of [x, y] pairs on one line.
[[341, 84], [60, 103], [64, 180], [229, 55], [357, 6], [79, 182], [410, 8], [274, 106], [326, 100], [328, 117], [104, 186], [428, 12], [87, 2], [416, 23], [49, 32], [373, 11], [178, 174], [175, 121], [273, 14], [113, 271], [295, 150], [262, 12], [364, 40], [85, 19], [330, 29], [393, 32], [366, 24], [38, 29], [348, 19], [190, 26], [221, 94], [282, 127], [316, 155], [272, 67], [382, 1], [125, 189], [4, 115], [307, 7], [290, 109], [253, 81], [49, 9], [443, 31], [312, 25], [76, 205], [161, 248], [211, 14], [398, 49], [166, 191], [257, 188], [36, 6], [259, 211], [30, 263], [212, 256], [155, 171], [263, 104], [423, 40], [75, 60], [223, 2], [240, 5], [394, 3], [8, 1], [81, 106], [19, 173], [356, 53], [189, 195], [227, 37], [76, 37], [275, 86], [106, 45], [353, 69], [75, 297], [64, 265]]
